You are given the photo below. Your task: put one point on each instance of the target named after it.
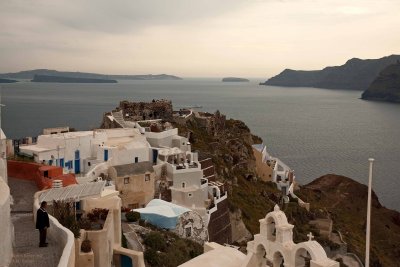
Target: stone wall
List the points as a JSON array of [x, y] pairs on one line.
[[219, 227], [157, 109]]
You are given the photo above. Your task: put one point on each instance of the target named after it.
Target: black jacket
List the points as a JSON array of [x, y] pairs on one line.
[[42, 219]]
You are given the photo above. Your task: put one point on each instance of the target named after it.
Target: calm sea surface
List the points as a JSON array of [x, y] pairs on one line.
[[315, 131]]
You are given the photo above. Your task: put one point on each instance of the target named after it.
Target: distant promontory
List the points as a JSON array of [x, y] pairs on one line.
[[386, 87], [234, 79], [29, 74], [61, 79], [7, 81], [355, 74]]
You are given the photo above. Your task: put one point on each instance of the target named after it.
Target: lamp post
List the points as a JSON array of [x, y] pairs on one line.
[[368, 231], [1, 140]]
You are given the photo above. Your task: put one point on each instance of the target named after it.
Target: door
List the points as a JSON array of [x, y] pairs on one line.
[[62, 162], [77, 166], [155, 155], [105, 154], [126, 261]]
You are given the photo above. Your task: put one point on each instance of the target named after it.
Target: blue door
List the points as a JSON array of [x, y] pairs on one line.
[[155, 155], [62, 162], [105, 154], [77, 166], [126, 261], [77, 156]]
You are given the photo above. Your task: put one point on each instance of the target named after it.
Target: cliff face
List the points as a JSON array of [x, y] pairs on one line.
[[355, 74], [386, 87]]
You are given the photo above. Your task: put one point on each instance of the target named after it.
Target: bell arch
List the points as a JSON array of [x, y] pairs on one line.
[[308, 251], [261, 255], [278, 259]]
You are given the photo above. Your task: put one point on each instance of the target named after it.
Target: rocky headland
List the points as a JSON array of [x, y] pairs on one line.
[[386, 87], [7, 81], [235, 79], [355, 74], [62, 79], [29, 74]]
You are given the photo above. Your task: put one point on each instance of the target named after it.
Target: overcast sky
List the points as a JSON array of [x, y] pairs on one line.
[[194, 38]]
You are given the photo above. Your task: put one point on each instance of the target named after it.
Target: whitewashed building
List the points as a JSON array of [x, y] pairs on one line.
[[6, 227], [273, 246], [190, 188], [81, 152]]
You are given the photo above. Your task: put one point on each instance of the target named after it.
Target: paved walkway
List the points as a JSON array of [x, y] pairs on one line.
[[131, 237], [26, 249]]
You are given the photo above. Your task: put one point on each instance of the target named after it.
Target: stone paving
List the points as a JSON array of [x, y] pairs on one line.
[[131, 237], [26, 248]]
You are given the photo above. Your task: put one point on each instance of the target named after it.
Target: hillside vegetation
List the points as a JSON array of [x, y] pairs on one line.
[[331, 196]]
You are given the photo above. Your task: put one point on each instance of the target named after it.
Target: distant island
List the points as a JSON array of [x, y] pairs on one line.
[[386, 87], [355, 74], [29, 74], [61, 79], [7, 81], [234, 79]]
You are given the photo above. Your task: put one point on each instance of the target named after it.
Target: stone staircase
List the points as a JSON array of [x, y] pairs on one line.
[[119, 118]]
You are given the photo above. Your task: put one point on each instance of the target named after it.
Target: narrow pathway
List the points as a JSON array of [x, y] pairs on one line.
[[26, 249]]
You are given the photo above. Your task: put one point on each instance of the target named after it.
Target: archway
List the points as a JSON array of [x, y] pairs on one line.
[[278, 260], [271, 229], [302, 258], [261, 254]]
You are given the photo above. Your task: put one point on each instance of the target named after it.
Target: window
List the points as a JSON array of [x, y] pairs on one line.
[[190, 195], [69, 164], [126, 180], [147, 177], [88, 164], [183, 185], [46, 174], [136, 159]]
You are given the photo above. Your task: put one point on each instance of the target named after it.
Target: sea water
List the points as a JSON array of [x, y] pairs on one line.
[[314, 131]]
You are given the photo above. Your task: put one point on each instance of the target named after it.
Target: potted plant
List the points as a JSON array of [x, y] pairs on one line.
[[86, 245]]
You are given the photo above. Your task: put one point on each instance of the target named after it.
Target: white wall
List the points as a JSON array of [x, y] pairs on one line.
[[6, 227], [65, 238]]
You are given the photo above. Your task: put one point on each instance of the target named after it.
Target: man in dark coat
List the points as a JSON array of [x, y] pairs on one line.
[[42, 223]]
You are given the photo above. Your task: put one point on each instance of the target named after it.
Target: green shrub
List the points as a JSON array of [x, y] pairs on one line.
[[154, 258], [132, 216], [155, 241], [124, 241]]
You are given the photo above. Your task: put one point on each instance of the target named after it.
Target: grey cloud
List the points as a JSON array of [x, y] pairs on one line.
[[119, 16]]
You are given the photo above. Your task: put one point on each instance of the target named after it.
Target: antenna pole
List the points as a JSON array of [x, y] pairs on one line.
[[368, 232]]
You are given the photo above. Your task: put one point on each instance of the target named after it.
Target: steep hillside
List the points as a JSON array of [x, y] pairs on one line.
[[336, 197], [355, 74], [345, 201], [386, 87]]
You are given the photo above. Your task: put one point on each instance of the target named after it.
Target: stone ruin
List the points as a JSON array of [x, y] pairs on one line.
[[137, 111]]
